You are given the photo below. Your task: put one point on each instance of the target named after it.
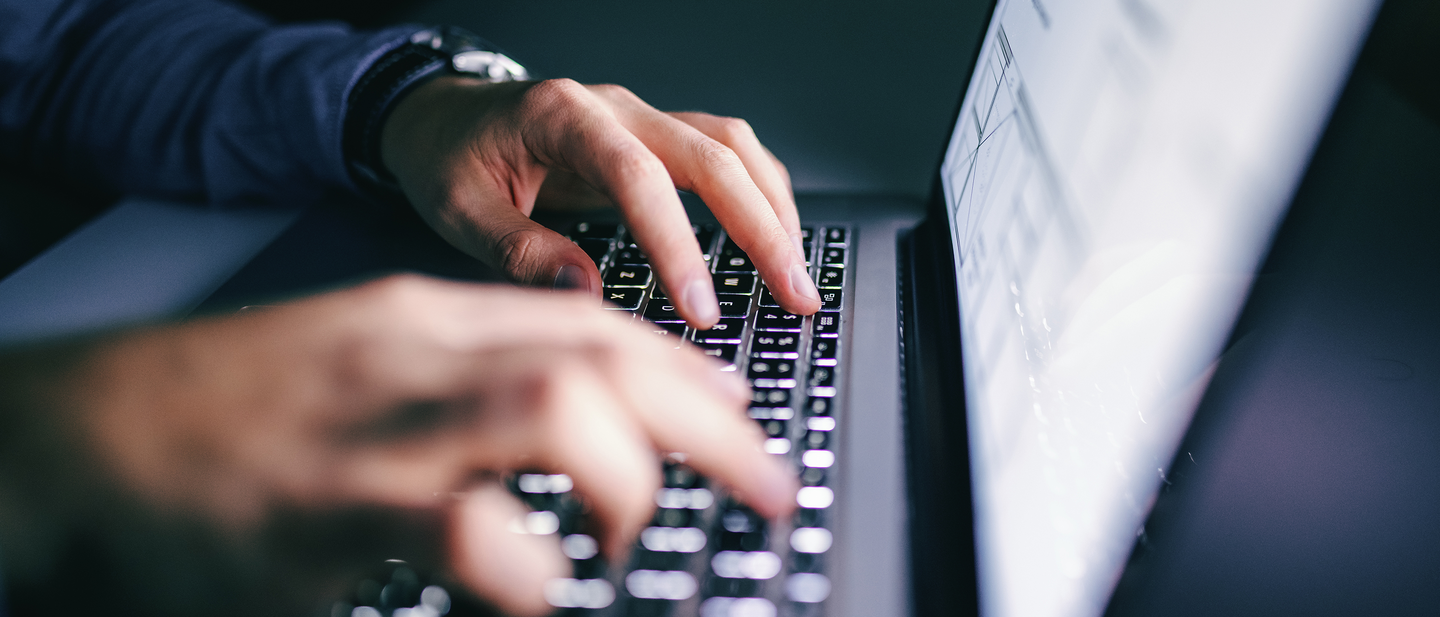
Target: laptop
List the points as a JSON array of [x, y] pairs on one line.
[[993, 396]]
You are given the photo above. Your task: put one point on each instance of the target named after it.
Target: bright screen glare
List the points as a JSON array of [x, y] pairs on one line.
[[1115, 177]]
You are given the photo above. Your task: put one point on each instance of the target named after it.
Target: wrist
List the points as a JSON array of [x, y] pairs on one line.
[[428, 54]]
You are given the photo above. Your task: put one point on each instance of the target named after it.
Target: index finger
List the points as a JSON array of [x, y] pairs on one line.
[[770, 235], [601, 151], [765, 170]]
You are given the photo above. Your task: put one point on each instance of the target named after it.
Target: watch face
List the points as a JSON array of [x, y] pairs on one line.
[[469, 55], [489, 65]]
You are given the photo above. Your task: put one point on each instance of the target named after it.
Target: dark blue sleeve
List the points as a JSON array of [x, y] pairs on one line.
[[192, 99]]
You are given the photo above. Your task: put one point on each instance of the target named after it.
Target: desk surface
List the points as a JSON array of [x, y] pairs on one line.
[[141, 261]]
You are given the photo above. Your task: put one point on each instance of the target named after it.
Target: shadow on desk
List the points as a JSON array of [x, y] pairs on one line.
[[339, 244]]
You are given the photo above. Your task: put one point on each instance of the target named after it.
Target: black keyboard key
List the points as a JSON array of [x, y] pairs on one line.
[[724, 331], [774, 428], [822, 353], [628, 276], [733, 587], [815, 440], [833, 256], [807, 562], [673, 327], [657, 292], [807, 234], [831, 277], [778, 320], [673, 517], [766, 298], [654, 560], [724, 352], [735, 262], [830, 299], [810, 517], [734, 283], [821, 382], [740, 519], [628, 241], [827, 325], [661, 311], [733, 305], [596, 249], [772, 373], [835, 235], [821, 376], [628, 256], [813, 476], [705, 236], [604, 231], [776, 345], [769, 397], [818, 406], [627, 298], [680, 476], [730, 248], [667, 330]]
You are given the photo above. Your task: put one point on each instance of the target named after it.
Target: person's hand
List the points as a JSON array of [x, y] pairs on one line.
[[473, 157], [254, 462]]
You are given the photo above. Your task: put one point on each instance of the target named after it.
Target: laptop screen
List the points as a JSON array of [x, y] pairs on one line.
[[1113, 180]]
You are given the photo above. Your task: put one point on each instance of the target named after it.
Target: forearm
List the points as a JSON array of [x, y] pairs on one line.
[[178, 98]]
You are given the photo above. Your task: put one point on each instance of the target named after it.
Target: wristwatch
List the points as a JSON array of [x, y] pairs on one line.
[[429, 53]]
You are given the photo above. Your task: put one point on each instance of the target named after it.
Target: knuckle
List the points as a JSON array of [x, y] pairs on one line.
[[613, 91], [734, 129], [638, 163], [518, 250], [399, 291], [558, 91], [718, 156]]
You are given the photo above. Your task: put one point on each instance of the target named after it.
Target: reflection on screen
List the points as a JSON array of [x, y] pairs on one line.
[[1115, 176]]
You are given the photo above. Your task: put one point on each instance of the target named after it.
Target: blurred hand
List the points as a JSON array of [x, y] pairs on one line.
[[262, 459], [474, 158]]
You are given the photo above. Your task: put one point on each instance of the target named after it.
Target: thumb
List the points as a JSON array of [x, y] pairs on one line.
[[530, 254]]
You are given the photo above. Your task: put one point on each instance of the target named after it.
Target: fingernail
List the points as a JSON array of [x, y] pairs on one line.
[[799, 246], [700, 298], [572, 276], [801, 283]]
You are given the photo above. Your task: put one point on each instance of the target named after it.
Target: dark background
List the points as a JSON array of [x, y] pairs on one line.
[[854, 96], [1323, 494]]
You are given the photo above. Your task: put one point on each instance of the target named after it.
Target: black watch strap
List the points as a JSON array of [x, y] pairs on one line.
[[373, 98]]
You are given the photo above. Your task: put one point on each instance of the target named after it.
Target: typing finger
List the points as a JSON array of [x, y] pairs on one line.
[[684, 405], [719, 176], [610, 458], [768, 173], [573, 130]]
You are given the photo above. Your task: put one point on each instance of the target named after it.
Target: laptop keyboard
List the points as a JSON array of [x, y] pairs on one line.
[[705, 553]]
